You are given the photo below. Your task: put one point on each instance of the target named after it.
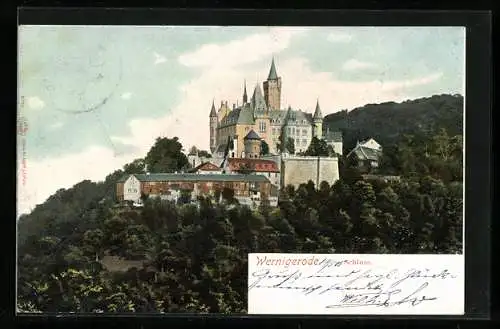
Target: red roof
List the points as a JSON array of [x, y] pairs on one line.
[[258, 165], [207, 166]]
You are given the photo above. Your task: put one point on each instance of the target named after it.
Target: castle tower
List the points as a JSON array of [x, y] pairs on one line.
[[213, 128], [318, 122], [272, 89], [245, 97], [223, 110], [258, 102], [252, 145]]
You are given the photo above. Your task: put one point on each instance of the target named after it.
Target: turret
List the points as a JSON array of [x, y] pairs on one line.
[[318, 122], [272, 89], [258, 103], [252, 143], [245, 97], [213, 128]]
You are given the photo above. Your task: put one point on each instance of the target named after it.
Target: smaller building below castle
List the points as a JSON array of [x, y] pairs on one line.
[[248, 189], [366, 155]]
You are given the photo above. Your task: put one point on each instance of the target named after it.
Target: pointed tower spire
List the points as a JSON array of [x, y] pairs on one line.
[[258, 103], [317, 112], [212, 111], [318, 122], [272, 72], [245, 97]]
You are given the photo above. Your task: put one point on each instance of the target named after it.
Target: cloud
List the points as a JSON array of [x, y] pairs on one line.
[[219, 77], [354, 64], [404, 84], [41, 182], [35, 103], [159, 59], [126, 95], [339, 37], [301, 86], [242, 51], [56, 125]]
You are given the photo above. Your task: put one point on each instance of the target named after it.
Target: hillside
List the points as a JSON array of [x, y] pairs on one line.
[[78, 252], [388, 122]]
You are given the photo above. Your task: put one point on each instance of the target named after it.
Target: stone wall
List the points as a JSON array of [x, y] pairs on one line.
[[296, 170]]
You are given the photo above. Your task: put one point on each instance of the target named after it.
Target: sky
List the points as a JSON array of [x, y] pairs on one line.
[[96, 97]]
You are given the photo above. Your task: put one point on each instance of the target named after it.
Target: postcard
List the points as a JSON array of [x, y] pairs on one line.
[[178, 169]]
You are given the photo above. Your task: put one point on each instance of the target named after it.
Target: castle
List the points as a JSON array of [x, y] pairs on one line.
[[262, 119]]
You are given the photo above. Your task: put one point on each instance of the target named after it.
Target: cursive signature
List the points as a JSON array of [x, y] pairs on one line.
[[383, 298]]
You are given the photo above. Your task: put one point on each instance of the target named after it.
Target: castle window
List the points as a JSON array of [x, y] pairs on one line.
[[262, 127], [304, 132]]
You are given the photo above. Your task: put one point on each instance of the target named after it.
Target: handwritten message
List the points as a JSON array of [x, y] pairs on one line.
[[355, 284]]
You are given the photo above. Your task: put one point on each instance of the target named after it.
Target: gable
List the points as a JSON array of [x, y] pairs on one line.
[[371, 143], [208, 166], [132, 180]]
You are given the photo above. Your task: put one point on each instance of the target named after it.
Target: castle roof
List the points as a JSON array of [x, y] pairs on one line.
[[258, 101], [252, 135], [191, 177], [272, 72], [277, 114], [245, 115], [240, 115], [212, 111], [317, 112], [297, 117]]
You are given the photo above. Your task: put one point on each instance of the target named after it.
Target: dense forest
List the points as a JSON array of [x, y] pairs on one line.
[[388, 122], [193, 258]]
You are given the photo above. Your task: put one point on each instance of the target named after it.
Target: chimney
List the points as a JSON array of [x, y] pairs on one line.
[[234, 106]]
